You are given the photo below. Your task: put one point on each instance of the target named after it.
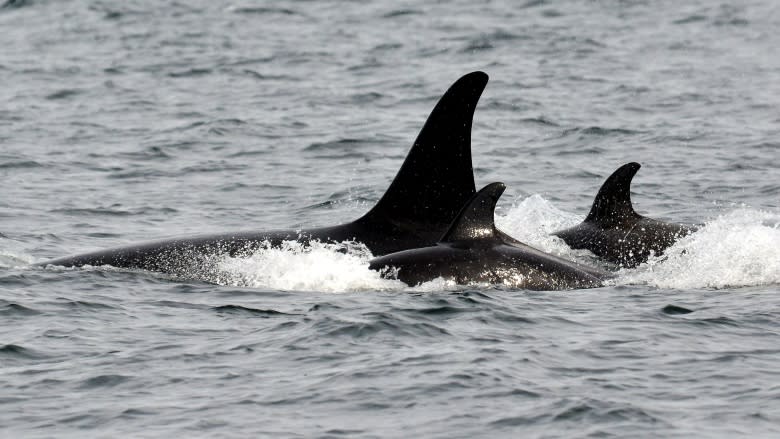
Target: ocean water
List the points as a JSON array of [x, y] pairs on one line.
[[126, 121]]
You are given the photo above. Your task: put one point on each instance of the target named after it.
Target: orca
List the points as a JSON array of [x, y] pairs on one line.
[[615, 232], [473, 250], [434, 182]]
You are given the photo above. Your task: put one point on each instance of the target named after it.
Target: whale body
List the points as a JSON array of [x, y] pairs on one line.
[[615, 232], [473, 251], [432, 185]]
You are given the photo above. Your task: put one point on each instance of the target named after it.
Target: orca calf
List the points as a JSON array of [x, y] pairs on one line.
[[473, 250], [434, 182], [615, 232]]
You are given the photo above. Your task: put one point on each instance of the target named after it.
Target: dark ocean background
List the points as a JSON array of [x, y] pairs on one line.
[[127, 121]]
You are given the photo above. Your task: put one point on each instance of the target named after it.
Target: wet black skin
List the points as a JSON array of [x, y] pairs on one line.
[[434, 182], [475, 251], [615, 232]]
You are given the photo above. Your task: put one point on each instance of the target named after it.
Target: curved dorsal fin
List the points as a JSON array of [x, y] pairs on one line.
[[475, 220], [436, 178], [613, 202]]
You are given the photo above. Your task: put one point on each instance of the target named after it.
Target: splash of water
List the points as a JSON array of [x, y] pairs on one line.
[[340, 268], [739, 248], [12, 254], [533, 219], [293, 266]]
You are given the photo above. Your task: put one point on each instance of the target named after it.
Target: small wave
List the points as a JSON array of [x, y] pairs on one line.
[[14, 351], [103, 381], [599, 131], [99, 211], [14, 309], [112, 211], [340, 144], [364, 98], [113, 15], [212, 166], [238, 309], [436, 311], [135, 413], [371, 324], [263, 11], [401, 13], [675, 310], [541, 120], [386, 47], [262, 76], [14, 4], [740, 248], [23, 164], [63, 94], [595, 411], [487, 41], [150, 153], [217, 127], [121, 174], [189, 73], [534, 4], [695, 18], [716, 321], [86, 305]]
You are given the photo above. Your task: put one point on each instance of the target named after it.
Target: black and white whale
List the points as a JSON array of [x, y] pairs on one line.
[[473, 250], [615, 232], [434, 182]]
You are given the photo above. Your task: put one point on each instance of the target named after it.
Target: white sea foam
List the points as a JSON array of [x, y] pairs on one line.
[[532, 220], [12, 254], [739, 248], [344, 268], [293, 266]]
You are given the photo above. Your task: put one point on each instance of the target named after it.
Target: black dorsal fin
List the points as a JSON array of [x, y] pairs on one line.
[[436, 178], [476, 219], [613, 202]]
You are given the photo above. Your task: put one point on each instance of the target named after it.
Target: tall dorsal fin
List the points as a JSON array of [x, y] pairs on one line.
[[613, 202], [476, 219], [436, 178]]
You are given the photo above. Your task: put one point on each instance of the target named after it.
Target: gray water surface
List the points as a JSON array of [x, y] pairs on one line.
[[129, 121]]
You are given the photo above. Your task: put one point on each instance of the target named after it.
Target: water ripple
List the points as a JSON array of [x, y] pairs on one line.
[[238, 309], [13, 309], [104, 381], [15, 352], [257, 115]]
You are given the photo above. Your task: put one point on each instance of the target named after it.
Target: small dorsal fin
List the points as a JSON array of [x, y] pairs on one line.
[[613, 202], [476, 219], [436, 178]]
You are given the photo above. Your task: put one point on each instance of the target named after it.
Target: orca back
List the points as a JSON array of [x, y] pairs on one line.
[[434, 182], [615, 232]]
